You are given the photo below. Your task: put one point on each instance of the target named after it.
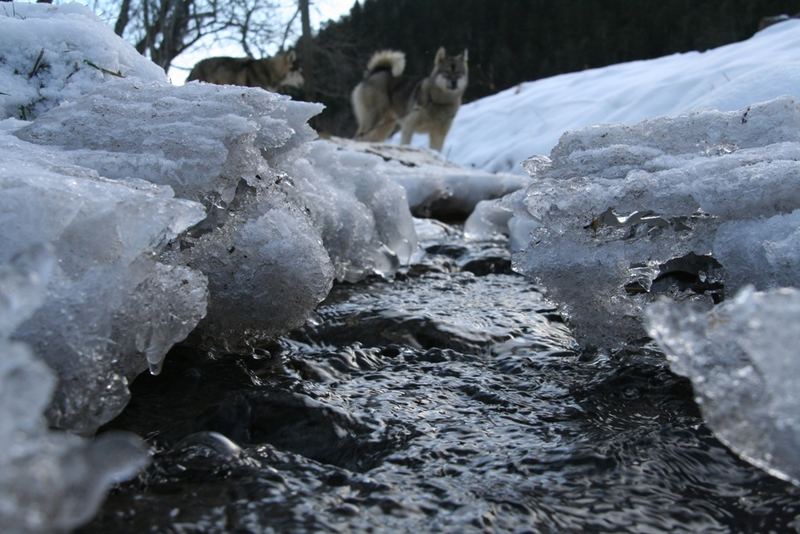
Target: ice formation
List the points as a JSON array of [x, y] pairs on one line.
[[164, 208], [285, 215], [742, 359], [110, 308], [263, 222], [693, 206], [49, 481]]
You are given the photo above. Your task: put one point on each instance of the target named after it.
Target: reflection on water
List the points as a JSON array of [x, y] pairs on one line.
[[450, 399]]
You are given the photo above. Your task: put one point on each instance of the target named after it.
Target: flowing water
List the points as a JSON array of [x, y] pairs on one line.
[[449, 399]]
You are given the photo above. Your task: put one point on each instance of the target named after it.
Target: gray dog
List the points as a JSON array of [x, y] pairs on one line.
[[384, 98]]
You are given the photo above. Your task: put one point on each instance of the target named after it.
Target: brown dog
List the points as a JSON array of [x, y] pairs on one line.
[[270, 73]]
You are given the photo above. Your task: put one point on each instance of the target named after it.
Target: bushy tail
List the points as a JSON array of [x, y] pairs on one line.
[[391, 60]]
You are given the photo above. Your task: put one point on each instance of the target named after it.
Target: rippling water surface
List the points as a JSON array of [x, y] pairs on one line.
[[450, 399]]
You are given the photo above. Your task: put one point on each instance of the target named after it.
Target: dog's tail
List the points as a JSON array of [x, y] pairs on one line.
[[391, 60]]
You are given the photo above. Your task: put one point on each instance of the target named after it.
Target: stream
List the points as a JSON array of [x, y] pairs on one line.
[[451, 398]]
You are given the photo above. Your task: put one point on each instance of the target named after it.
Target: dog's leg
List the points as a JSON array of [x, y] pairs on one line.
[[437, 141], [382, 130], [407, 133], [438, 134]]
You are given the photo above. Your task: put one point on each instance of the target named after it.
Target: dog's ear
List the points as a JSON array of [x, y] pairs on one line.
[[291, 57], [440, 55], [465, 55]]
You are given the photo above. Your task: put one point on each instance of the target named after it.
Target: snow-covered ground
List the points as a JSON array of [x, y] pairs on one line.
[[497, 132], [137, 213]]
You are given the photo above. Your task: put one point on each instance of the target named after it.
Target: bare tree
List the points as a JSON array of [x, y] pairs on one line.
[[163, 29]]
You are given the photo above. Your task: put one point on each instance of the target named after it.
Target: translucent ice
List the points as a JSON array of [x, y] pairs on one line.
[[264, 221], [49, 481], [743, 362], [434, 186], [693, 206], [106, 313], [285, 216]]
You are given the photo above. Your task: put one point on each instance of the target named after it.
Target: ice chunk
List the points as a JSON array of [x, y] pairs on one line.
[[285, 216], [49, 481], [361, 213], [693, 207], [764, 252], [742, 359], [106, 313], [268, 218], [200, 139], [265, 276]]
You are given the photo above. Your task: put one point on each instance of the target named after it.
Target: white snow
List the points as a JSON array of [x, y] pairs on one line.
[[52, 54], [498, 132]]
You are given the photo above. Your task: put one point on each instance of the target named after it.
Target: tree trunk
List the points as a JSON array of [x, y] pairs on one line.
[[123, 18], [307, 50]]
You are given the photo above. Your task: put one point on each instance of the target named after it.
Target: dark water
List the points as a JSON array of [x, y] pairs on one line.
[[451, 399]]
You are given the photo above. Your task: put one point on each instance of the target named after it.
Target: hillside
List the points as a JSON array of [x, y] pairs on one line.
[[516, 41], [497, 132]]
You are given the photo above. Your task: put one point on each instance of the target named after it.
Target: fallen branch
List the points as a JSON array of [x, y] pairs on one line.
[[118, 74]]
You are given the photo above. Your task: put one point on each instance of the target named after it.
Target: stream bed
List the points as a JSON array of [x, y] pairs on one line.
[[451, 398]]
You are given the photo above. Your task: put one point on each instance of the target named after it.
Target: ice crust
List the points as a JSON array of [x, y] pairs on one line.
[[742, 358], [286, 215], [106, 313], [605, 223], [49, 480], [671, 216]]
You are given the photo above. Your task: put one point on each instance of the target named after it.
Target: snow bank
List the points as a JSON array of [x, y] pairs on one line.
[[48, 480], [693, 207], [434, 186], [742, 359], [52, 54], [497, 132]]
